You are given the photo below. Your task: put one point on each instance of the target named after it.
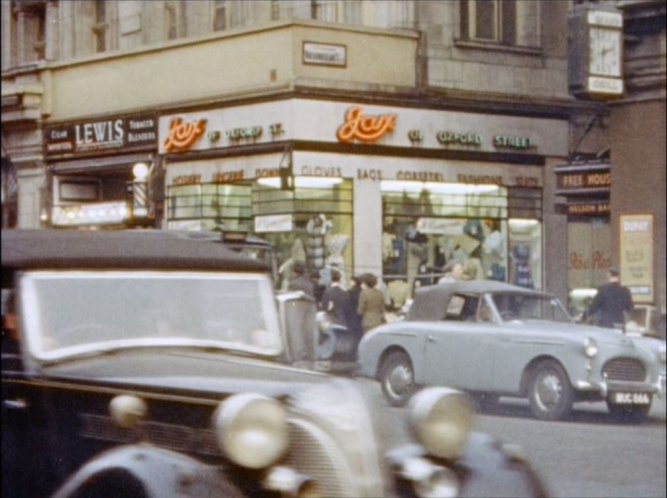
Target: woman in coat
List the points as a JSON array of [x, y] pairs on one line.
[[371, 304]]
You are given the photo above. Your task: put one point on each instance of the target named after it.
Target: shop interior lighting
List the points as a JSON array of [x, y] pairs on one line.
[[437, 187], [523, 223], [302, 182], [583, 293], [90, 214]]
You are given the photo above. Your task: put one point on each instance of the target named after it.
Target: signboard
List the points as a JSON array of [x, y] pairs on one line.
[[274, 223], [324, 54], [102, 136], [636, 255]]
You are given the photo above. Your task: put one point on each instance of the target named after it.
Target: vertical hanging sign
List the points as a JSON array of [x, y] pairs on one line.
[[636, 255]]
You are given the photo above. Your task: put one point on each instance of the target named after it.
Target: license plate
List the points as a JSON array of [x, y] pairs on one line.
[[631, 398]]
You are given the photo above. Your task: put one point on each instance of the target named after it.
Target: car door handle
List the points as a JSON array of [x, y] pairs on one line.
[[431, 338], [15, 404]]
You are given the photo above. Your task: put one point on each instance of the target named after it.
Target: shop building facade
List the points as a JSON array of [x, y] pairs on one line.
[[395, 191], [452, 74]]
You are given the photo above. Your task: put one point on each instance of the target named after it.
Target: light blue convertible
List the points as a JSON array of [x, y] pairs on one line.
[[494, 339]]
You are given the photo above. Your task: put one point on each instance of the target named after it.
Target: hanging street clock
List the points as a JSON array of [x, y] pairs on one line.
[[595, 52]]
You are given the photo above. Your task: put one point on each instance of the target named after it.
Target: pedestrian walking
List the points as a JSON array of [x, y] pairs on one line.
[[371, 304], [336, 301], [611, 303]]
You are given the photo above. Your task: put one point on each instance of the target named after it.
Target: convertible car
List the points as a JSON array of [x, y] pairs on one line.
[[494, 339]]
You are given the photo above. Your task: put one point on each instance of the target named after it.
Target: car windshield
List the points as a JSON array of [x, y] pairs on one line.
[[512, 306], [67, 313]]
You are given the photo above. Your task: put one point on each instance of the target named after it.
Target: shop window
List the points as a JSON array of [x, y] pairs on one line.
[[589, 257], [525, 251], [209, 207], [311, 223], [506, 22], [427, 225]]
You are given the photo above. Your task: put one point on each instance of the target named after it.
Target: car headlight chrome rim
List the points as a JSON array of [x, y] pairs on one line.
[[252, 430], [441, 419], [590, 347]]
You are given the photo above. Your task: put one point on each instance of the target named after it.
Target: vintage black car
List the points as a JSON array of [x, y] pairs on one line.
[[143, 365]]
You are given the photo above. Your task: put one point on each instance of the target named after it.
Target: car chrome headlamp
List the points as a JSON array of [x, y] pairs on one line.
[[590, 347], [252, 430], [441, 419], [430, 480]]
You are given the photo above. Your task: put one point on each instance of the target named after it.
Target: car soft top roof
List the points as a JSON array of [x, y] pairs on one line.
[[430, 301], [118, 249]]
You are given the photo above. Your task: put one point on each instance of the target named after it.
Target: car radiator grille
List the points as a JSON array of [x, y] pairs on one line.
[[315, 455], [625, 369]]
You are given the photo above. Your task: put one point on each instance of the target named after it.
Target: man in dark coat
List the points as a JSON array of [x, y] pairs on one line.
[[336, 301], [611, 302]]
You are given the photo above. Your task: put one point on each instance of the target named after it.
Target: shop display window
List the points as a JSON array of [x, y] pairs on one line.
[[318, 226], [525, 252], [428, 225], [212, 205], [589, 258]]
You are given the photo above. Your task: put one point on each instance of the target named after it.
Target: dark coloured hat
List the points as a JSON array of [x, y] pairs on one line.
[[613, 271]]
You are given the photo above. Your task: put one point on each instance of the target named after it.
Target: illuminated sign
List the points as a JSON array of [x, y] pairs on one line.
[[182, 136], [366, 129]]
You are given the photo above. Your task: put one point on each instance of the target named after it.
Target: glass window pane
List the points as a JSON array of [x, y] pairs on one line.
[[485, 19]]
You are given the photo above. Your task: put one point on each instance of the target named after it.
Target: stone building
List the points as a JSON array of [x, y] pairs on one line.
[[375, 136]]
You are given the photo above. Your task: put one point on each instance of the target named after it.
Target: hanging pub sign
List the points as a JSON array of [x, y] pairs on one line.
[[586, 186], [101, 136]]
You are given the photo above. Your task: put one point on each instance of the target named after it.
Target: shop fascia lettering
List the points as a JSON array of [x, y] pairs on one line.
[[183, 135], [358, 126], [114, 133]]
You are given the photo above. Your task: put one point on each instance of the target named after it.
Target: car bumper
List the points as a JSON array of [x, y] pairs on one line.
[[603, 388]]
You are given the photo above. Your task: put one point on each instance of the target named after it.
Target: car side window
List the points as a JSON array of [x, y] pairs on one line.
[[461, 308]]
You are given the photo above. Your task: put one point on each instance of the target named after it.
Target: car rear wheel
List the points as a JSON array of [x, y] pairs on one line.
[[631, 414], [397, 378], [550, 393]]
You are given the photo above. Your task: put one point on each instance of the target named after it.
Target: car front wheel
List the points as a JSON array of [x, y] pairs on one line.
[[551, 394], [397, 378]]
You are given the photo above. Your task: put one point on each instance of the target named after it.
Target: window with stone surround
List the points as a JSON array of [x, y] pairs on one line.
[[513, 23], [219, 15], [30, 21], [101, 26]]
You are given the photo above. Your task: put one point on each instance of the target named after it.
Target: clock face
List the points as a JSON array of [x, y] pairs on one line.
[[605, 52]]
